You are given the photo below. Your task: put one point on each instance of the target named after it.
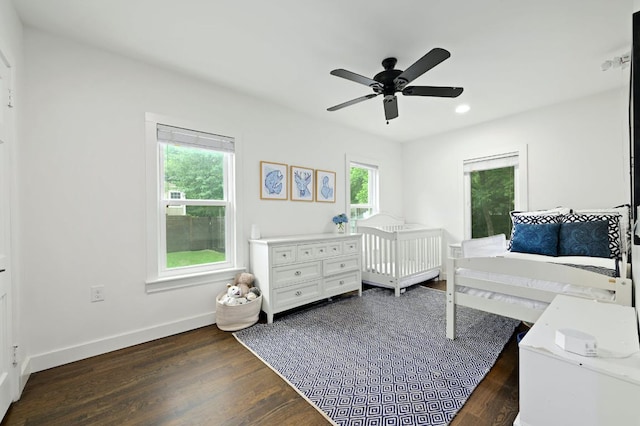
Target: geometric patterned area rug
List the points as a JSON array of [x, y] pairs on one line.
[[382, 360]]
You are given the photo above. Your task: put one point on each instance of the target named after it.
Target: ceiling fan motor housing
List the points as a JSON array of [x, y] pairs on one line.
[[386, 78]]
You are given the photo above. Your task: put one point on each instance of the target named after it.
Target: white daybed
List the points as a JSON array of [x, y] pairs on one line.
[[520, 285], [397, 255]]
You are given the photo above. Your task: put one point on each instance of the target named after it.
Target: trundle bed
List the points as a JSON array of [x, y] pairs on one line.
[[518, 282]]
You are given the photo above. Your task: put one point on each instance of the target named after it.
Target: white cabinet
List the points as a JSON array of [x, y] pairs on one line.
[[295, 270], [563, 388]]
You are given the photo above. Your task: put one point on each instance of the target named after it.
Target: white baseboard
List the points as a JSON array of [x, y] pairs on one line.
[[62, 356], [25, 373]]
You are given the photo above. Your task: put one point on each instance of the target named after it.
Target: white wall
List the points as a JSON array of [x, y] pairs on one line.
[[82, 191], [578, 158]]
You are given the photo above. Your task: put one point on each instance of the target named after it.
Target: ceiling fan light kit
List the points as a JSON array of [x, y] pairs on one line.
[[390, 81]]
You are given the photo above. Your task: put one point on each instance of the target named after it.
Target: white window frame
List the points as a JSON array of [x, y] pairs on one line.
[[160, 278], [517, 159], [374, 184]]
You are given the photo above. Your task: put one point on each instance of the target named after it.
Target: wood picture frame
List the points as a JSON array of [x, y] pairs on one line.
[[302, 183], [325, 186], [273, 181]]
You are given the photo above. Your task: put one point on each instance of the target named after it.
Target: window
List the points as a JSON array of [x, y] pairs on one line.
[[192, 202], [493, 188], [363, 190]]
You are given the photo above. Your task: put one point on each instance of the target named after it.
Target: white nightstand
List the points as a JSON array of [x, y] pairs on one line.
[[562, 388]]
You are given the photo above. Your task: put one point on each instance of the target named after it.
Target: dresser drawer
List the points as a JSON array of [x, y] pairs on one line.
[[284, 254], [296, 295], [350, 247], [339, 284], [284, 276], [341, 264], [319, 250]]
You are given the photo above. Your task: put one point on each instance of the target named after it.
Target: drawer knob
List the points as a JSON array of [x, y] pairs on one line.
[[298, 293], [321, 250], [306, 252], [298, 273], [341, 282], [335, 249], [284, 255], [342, 265]]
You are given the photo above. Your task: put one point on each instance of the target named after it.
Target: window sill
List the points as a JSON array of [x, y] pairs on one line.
[[192, 280]]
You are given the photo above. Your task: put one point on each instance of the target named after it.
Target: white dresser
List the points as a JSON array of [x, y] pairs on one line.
[[563, 388], [295, 270]]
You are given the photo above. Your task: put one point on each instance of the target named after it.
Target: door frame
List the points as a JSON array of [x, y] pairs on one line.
[[7, 179]]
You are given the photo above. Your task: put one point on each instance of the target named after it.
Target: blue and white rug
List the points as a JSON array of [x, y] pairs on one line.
[[382, 360]]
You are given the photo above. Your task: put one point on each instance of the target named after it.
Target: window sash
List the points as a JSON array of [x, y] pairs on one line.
[[372, 187], [207, 141], [515, 159]]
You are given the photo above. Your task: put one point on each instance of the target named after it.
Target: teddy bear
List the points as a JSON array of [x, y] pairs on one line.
[[245, 281], [233, 297]]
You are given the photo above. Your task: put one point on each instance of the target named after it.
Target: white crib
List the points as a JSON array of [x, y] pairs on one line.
[[397, 255]]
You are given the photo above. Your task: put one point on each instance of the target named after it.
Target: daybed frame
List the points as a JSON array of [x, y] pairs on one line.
[[397, 255], [622, 287]]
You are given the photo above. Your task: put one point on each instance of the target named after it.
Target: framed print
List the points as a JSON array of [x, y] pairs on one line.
[[273, 181], [325, 186], [301, 184]]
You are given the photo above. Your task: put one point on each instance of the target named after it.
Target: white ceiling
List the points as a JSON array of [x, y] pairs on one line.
[[509, 55]]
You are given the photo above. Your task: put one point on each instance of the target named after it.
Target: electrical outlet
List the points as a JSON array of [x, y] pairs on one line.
[[97, 293]]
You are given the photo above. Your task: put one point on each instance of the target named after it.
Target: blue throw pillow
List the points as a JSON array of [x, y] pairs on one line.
[[584, 239], [536, 239]]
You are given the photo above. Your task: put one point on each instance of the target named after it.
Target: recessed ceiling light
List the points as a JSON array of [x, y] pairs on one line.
[[461, 109]]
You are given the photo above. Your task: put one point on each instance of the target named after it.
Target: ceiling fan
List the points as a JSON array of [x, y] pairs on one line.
[[391, 80]]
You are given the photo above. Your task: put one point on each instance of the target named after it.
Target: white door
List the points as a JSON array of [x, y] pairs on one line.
[[7, 374]]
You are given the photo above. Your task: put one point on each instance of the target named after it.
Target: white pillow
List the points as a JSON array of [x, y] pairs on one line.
[[484, 247]]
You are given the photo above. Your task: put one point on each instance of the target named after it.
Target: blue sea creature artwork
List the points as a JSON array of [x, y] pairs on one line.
[[326, 184], [303, 180], [273, 181]]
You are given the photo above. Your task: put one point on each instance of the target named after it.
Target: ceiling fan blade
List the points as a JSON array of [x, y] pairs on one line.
[[443, 92], [422, 65], [390, 107], [354, 77], [352, 101]]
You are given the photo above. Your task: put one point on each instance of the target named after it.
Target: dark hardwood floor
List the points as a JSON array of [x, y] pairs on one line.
[[205, 377]]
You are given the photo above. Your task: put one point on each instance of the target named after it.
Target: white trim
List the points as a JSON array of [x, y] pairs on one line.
[[170, 283], [157, 278], [89, 349]]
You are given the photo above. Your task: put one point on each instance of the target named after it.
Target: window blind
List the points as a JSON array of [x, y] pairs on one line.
[[488, 163], [177, 135]]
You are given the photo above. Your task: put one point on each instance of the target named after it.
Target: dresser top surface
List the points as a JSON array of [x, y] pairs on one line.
[[615, 328], [295, 239]]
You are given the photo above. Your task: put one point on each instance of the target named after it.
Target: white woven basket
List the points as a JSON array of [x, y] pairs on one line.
[[233, 318]]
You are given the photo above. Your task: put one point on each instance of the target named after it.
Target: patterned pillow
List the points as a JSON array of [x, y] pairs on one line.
[[536, 239], [535, 218], [584, 239], [613, 228], [624, 211]]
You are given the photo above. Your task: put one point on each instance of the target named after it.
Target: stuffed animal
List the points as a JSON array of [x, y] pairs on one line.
[[233, 297], [253, 294], [245, 281]]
